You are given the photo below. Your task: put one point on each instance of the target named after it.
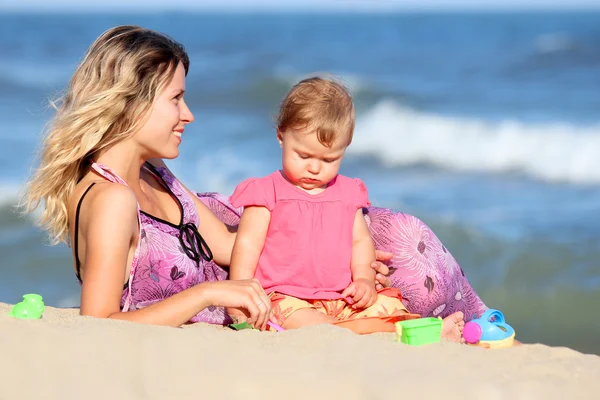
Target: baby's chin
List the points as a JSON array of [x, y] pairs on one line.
[[310, 186]]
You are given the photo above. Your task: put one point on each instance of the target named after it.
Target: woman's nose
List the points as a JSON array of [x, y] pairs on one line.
[[185, 113]]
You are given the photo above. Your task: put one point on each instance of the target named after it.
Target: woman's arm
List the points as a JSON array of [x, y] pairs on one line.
[[109, 227], [249, 243]]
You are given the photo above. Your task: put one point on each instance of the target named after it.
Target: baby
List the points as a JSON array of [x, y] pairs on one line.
[[302, 233]]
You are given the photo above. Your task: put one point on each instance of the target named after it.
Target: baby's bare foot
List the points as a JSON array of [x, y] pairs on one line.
[[452, 327]]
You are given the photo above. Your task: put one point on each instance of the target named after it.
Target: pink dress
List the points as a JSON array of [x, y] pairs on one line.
[[308, 248]]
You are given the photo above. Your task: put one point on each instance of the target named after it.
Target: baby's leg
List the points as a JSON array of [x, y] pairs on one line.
[[306, 317], [291, 312], [452, 327]]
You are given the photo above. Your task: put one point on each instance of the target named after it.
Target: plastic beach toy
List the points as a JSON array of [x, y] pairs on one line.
[[491, 330], [245, 325], [240, 326], [32, 307], [417, 332]]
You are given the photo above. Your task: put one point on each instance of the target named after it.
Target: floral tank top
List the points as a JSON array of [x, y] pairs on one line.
[[168, 258]]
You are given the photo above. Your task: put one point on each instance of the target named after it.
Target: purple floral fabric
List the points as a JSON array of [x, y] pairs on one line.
[[431, 281], [429, 278], [164, 269]]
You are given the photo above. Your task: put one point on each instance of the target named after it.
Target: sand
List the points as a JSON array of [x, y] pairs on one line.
[[66, 356]]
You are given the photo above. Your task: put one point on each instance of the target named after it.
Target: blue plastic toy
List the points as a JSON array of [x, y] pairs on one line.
[[491, 330]]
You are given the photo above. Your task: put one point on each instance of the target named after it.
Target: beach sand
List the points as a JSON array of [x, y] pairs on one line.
[[66, 356]]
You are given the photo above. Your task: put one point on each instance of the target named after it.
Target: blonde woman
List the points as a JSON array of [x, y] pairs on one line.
[[145, 248]]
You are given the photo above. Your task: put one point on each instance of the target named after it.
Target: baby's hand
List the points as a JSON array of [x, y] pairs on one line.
[[361, 293]]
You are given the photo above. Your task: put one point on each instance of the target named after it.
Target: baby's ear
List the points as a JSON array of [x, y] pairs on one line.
[[280, 138]]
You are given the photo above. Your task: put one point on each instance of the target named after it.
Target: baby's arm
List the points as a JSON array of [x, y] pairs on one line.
[[362, 290], [249, 242], [248, 245], [363, 250]]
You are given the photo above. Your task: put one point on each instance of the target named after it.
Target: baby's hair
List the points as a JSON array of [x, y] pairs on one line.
[[108, 99], [318, 105]]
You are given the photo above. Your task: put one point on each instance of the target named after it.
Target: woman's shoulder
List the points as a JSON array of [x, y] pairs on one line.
[[114, 195], [103, 199], [93, 187]]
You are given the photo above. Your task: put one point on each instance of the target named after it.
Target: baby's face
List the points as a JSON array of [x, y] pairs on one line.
[[307, 163]]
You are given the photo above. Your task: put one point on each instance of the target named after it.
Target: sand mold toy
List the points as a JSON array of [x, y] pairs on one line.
[[417, 332], [32, 307]]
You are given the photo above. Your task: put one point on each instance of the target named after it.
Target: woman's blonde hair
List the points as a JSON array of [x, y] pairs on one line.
[[107, 100], [318, 105]]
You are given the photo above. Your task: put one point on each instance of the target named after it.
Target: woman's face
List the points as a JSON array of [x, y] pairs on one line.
[[161, 135]]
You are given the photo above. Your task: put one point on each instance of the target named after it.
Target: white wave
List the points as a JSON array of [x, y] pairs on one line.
[[554, 42], [551, 152]]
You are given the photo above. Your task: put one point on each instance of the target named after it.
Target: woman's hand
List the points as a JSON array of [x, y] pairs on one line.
[[246, 296], [381, 279]]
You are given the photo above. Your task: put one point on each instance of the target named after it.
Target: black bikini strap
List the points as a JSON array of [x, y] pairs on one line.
[[76, 239]]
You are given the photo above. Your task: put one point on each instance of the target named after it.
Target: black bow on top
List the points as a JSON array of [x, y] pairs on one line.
[[194, 244]]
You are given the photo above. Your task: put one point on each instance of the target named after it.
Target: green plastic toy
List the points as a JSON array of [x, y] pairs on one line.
[[32, 307], [245, 325], [240, 326], [417, 332]]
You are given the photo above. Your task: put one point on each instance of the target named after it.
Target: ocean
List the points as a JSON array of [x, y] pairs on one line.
[[485, 126]]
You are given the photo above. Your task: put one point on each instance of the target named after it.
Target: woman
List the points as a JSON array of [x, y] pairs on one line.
[[145, 248]]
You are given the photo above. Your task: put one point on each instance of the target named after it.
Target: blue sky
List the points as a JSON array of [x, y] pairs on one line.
[[232, 5]]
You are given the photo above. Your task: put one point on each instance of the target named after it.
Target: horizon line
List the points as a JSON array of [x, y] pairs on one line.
[[310, 7]]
